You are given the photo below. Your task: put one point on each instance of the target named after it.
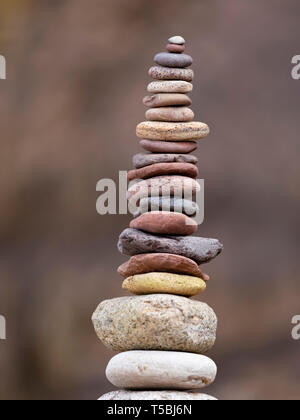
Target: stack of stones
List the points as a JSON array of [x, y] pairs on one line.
[[160, 332]]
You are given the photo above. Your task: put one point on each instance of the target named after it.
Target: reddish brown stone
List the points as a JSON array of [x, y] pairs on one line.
[[159, 169], [155, 146], [165, 223], [161, 263], [175, 48]]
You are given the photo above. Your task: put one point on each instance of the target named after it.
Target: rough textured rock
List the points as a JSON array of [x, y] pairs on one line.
[[156, 396], [178, 205], [175, 284], [167, 99], [167, 186], [156, 322], [201, 250], [177, 39], [169, 263], [167, 59], [165, 223], [155, 130], [160, 169], [143, 159], [161, 370], [167, 73], [170, 114], [175, 48], [170, 86], [168, 147]]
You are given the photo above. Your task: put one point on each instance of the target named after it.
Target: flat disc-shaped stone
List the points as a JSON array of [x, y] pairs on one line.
[[167, 99], [167, 73], [156, 322], [170, 114], [175, 48], [165, 223], [167, 59], [147, 263], [160, 370], [168, 147], [170, 86], [155, 396], [188, 207], [160, 169], [174, 284], [143, 159], [167, 131], [166, 186], [200, 250]]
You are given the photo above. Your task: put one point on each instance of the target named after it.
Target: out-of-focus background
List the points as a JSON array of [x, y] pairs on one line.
[[76, 75]]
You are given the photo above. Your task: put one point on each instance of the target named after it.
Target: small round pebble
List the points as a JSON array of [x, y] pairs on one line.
[[175, 284], [175, 48], [173, 60], [167, 73], [176, 40], [167, 99], [161, 370], [153, 146], [170, 86], [156, 396], [170, 114]]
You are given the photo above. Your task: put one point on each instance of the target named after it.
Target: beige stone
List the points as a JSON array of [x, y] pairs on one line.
[[156, 322], [170, 86], [170, 114], [170, 131]]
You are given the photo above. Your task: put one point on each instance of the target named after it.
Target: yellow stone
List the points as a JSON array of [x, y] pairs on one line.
[[172, 131], [176, 284]]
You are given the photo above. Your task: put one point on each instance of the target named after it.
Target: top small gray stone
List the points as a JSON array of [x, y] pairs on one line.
[[177, 40]]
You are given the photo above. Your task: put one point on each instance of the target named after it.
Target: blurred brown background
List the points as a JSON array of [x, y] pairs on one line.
[[77, 72]]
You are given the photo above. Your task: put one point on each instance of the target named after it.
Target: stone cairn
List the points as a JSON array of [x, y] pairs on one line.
[[160, 333]]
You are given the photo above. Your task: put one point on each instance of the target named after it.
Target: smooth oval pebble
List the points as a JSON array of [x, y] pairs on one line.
[[147, 263], [167, 73], [177, 39], [161, 370], [155, 396], [155, 146], [174, 204], [170, 86], [167, 59], [170, 114], [175, 284], [156, 322], [167, 99], [167, 131], [165, 223], [141, 160], [200, 250], [167, 186], [160, 169], [175, 48]]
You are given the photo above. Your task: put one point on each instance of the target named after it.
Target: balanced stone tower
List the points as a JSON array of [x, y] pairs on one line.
[[160, 333]]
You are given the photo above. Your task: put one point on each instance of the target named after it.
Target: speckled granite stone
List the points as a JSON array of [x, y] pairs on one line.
[[156, 396], [156, 322], [167, 73]]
